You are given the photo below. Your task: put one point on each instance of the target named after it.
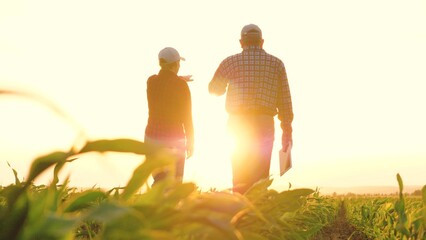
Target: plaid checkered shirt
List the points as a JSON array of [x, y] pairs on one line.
[[256, 83]]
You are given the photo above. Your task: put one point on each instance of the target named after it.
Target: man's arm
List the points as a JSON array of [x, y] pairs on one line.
[[219, 83], [217, 86], [285, 109]]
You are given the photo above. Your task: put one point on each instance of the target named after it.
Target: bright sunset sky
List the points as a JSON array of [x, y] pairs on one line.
[[356, 69]]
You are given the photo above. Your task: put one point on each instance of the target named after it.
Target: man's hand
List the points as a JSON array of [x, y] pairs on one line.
[[218, 86]]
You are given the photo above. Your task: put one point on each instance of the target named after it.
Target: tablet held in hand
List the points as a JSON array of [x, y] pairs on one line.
[[285, 160]]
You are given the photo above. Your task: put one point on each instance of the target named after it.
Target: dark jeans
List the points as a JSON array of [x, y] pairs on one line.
[[178, 148], [251, 157]]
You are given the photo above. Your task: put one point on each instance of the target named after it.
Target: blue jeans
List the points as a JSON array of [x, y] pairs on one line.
[[178, 148], [251, 157]]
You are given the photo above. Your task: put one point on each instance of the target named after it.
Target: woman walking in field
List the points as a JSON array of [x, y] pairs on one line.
[[170, 112]]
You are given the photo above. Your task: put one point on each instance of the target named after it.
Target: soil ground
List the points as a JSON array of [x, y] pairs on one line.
[[340, 229]]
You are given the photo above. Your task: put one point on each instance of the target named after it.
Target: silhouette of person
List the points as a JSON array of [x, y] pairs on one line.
[[170, 111], [257, 89]]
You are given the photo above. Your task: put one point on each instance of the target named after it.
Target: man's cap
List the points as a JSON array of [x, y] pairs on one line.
[[251, 31], [169, 55]]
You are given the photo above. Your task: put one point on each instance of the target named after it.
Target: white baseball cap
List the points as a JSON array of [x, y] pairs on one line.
[[170, 55], [251, 31]]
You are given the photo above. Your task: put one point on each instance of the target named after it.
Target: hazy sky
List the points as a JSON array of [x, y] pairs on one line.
[[356, 71]]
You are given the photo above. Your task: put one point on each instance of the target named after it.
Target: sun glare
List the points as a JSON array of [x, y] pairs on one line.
[[210, 167]]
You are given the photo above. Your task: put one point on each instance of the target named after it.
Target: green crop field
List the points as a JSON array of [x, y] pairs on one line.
[[180, 211], [172, 210], [389, 217]]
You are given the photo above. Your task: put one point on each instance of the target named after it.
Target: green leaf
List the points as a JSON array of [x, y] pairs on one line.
[[143, 171], [15, 173], [291, 198], [300, 192], [258, 190], [400, 207], [400, 183], [42, 163], [106, 212], [56, 170], [52, 227], [167, 194], [154, 195], [12, 224], [84, 200], [60, 227], [11, 194], [253, 236], [179, 192], [118, 145], [221, 225], [220, 202], [156, 234]]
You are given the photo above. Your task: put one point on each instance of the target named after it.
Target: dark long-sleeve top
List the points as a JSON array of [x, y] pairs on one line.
[[170, 108]]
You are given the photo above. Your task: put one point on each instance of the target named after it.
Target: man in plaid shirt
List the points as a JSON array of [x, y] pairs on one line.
[[257, 89], [170, 111]]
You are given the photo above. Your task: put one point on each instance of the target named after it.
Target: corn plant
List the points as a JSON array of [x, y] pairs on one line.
[[389, 217]]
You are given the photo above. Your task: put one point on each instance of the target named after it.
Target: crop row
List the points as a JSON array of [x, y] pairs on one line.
[[389, 218]]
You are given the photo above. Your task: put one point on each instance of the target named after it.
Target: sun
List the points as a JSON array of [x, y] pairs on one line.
[[210, 166]]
